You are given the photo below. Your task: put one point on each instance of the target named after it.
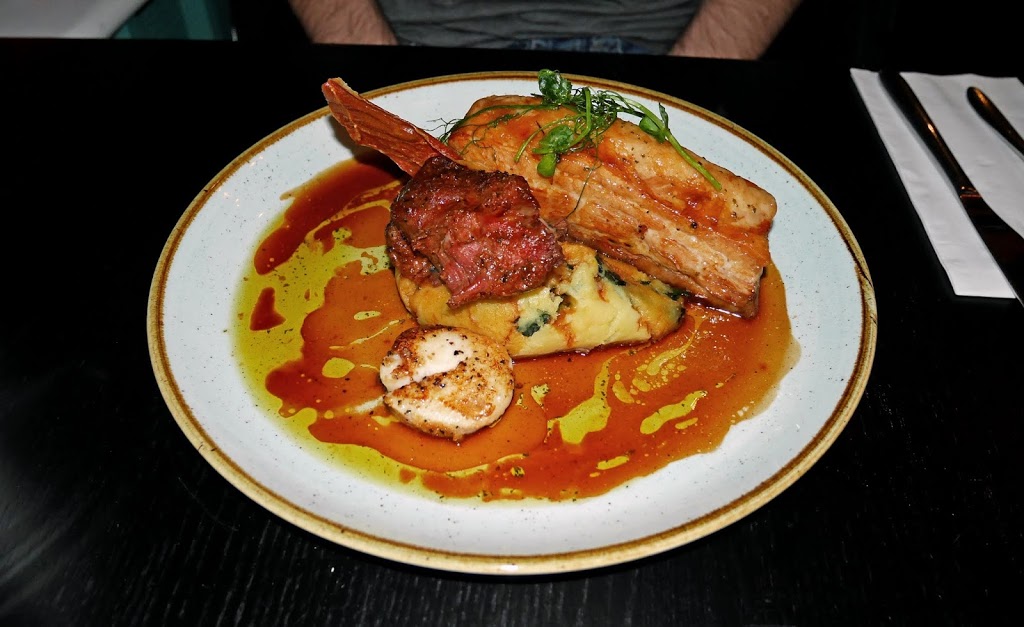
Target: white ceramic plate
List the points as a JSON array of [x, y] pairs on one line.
[[831, 305]]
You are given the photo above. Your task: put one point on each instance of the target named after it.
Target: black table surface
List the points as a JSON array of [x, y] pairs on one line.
[[108, 515]]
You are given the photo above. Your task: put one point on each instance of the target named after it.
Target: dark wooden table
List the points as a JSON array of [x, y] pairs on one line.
[[108, 516]]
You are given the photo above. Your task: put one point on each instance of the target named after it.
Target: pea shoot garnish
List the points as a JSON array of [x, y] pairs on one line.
[[593, 112], [596, 111]]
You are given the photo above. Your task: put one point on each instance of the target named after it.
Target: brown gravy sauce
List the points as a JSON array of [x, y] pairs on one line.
[[319, 309]]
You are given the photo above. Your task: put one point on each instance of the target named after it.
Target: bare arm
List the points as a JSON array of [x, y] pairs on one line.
[[734, 29], [344, 21]]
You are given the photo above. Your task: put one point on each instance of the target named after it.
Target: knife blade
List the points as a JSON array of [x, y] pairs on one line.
[[995, 118], [1004, 243]]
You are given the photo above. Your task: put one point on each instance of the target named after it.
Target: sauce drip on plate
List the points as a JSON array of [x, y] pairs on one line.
[[319, 309]]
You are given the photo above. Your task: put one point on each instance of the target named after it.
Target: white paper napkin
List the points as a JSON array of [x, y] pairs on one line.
[[994, 167]]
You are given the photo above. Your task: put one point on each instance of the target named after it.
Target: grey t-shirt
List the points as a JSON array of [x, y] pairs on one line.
[[653, 24]]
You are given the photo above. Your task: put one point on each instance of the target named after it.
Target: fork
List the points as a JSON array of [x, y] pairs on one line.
[[991, 114]]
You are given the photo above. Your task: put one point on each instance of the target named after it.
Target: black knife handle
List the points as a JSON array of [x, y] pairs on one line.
[[991, 114], [919, 119]]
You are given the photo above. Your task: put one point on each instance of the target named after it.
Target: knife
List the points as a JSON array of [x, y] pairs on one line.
[[1004, 243], [991, 114]]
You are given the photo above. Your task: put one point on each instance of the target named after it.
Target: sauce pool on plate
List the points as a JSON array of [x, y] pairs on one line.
[[319, 309]]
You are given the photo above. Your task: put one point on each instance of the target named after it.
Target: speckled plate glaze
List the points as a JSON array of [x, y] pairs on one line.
[[192, 301]]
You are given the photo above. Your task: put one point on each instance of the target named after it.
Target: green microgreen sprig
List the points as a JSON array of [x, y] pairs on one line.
[[597, 110], [594, 111]]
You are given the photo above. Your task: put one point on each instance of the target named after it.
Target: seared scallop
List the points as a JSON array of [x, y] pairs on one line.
[[447, 382]]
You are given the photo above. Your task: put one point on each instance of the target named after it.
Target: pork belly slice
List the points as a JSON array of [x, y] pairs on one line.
[[480, 232], [637, 200]]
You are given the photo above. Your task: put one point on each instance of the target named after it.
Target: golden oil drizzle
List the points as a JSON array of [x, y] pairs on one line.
[[613, 415]]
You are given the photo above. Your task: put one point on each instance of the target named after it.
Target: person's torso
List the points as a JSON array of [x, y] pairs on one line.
[[653, 24]]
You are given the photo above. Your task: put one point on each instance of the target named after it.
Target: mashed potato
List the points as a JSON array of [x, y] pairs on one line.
[[590, 301]]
